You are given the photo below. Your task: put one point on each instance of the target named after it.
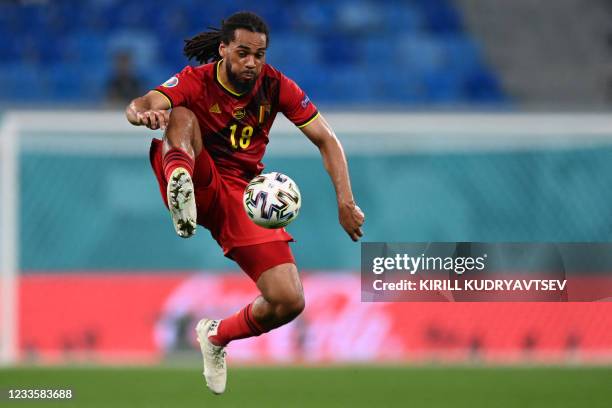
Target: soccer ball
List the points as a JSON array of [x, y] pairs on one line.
[[272, 200]]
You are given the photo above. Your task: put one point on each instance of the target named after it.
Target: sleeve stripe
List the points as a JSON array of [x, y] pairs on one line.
[[309, 120], [166, 96]]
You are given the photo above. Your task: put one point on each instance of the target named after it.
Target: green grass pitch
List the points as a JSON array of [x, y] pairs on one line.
[[347, 386]]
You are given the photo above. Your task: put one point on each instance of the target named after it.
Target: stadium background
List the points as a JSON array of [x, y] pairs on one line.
[[444, 109]]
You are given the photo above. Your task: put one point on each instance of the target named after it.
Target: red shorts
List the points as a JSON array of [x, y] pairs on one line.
[[219, 204], [256, 259]]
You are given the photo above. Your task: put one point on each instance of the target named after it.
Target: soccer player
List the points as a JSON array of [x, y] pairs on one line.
[[217, 119]]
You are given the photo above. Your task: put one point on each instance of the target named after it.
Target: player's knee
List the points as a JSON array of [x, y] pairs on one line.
[[291, 306], [182, 115], [183, 120], [282, 290]]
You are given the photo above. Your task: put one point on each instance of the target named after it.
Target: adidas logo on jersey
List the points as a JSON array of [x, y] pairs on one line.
[[215, 108]]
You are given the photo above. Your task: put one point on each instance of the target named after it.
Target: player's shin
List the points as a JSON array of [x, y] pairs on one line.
[[238, 326], [178, 170], [175, 158], [256, 318]]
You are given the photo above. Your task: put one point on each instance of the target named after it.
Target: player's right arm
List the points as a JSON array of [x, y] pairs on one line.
[[151, 110]]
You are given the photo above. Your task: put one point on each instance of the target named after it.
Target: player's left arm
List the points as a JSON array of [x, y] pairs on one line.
[[322, 135]]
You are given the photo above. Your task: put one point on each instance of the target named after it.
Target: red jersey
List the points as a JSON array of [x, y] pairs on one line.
[[235, 127]]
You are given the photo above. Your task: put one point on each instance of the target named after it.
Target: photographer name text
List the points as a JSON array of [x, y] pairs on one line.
[[471, 285]]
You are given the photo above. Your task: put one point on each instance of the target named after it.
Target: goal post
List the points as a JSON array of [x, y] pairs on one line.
[[9, 242]]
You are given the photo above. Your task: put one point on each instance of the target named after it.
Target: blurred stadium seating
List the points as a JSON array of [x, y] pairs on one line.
[[396, 52]]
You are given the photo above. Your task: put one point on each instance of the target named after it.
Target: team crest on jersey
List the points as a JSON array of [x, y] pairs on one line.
[[239, 113], [171, 83]]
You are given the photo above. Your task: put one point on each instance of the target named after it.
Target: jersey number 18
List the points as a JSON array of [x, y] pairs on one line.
[[245, 138]]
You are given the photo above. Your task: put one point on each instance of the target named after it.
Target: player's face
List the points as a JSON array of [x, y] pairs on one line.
[[244, 57]]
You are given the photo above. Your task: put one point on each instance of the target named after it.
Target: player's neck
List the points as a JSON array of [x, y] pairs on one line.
[[223, 79]]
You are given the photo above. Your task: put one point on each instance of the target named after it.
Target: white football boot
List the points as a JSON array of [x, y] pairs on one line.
[[181, 202], [215, 369]]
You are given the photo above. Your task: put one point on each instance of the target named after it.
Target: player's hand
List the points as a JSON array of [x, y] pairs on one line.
[[154, 119], [351, 218]]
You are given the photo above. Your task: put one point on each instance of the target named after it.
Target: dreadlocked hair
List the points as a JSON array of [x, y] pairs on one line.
[[204, 47]]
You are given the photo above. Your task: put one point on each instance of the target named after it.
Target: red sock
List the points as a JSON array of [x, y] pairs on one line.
[[239, 326], [177, 158]]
